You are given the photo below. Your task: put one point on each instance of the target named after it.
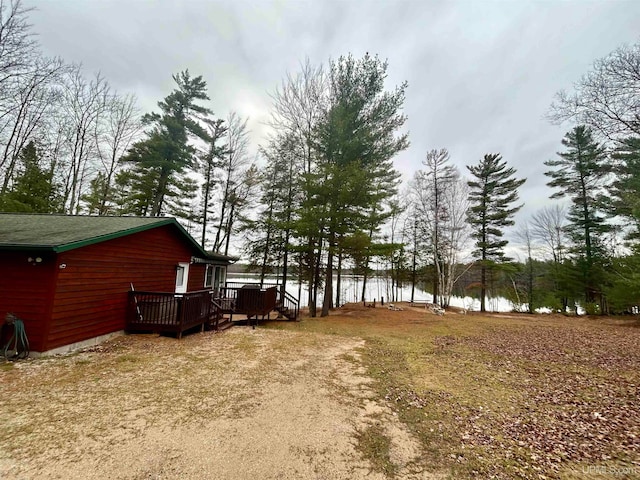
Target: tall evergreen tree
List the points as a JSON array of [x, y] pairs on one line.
[[33, 189], [492, 195], [356, 140], [166, 154], [581, 173], [271, 231], [626, 201]]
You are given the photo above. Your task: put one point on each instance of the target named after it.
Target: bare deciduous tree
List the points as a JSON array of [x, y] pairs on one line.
[[298, 105], [607, 98], [83, 104], [455, 237], [433, 182], [441, 202], [17, 44], [209, 163], [233, 168], [547, 225], [34, 98], [115, 131]]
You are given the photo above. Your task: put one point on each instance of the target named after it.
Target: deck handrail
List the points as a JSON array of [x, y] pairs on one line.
[[216, 313], [290, 302]]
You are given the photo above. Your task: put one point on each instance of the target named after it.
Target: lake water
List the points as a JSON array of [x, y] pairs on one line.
[[377, 288]]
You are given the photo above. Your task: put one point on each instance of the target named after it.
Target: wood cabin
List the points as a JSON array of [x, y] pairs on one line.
[[69, 278]]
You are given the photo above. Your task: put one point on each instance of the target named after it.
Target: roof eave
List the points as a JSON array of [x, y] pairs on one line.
[[19, 247]]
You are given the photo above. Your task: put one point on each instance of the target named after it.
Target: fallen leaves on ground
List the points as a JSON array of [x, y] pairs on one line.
[[577, 391]]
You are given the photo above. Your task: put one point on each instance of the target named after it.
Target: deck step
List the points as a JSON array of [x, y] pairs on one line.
[[224, 325], [286, 312]]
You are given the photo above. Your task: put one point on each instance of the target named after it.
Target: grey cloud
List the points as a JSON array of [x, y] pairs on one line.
[[481, 73]]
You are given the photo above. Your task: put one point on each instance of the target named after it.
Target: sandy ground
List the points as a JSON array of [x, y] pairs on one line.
[[245, 404]]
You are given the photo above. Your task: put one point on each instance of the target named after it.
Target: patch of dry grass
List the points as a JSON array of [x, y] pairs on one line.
[[505, 396], [375, 445]]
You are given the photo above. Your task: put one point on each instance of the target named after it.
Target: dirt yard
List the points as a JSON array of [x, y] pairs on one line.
[[245, 404], [364, 393]]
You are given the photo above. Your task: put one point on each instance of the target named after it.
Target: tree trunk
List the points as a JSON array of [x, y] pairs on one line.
[[316, 275], [205, 206], [311, 259], [339, 279], [328, 285], [285, 262], [483, 287], [229, 229]]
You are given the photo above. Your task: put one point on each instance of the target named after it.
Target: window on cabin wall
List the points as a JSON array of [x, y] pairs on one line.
[[208, 276], [182, 277]]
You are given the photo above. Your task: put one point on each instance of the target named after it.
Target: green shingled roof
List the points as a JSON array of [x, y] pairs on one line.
[[60, 233]]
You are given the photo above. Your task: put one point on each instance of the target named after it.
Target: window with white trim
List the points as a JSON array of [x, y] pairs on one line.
[[208, 276]]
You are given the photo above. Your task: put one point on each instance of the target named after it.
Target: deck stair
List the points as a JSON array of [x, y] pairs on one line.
[[287, 305], [283, 311], [218, 321], [224, 324]]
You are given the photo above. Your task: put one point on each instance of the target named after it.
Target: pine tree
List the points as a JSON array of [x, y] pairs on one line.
[[166, 154], [99, 191], [492, 196], [626, 201], [582, 173], [33, 189], [356, 141]]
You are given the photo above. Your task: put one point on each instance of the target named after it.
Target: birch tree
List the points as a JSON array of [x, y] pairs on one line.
[[83, 103], [233, 168], [209, 164], [117, 128]]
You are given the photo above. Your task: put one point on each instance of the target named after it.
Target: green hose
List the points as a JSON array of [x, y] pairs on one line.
[[19, 339]]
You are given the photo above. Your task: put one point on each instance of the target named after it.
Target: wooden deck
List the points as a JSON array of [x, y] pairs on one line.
[[168, 312]]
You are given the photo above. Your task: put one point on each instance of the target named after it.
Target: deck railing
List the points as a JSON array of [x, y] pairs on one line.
[[283, 299], [170, 312], [249, 300]]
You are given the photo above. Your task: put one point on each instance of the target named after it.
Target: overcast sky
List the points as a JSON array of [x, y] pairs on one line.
[[481, 74]]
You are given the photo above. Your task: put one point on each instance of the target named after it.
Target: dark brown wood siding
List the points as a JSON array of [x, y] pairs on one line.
[[27, 289], [91, 294], [196, 277]]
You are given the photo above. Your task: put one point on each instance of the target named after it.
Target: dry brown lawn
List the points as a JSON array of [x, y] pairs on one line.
[[363, 393]]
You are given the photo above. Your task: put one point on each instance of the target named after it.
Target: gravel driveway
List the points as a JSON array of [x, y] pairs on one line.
[[245, 404]]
